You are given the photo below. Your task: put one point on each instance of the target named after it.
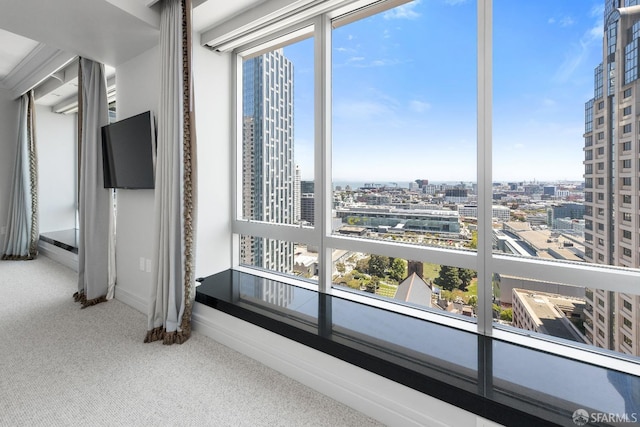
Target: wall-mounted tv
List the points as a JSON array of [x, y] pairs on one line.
[[128, 152]]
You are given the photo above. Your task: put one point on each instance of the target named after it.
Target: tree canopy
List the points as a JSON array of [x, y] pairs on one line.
[[398, 269], [466, 275], [448, 278], [378, 265]]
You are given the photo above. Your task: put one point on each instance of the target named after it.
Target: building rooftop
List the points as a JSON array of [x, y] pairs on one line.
[[414, 290], [517, 226], [548, 311]]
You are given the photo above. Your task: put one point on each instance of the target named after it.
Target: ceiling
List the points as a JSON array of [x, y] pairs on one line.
[[39, 39]]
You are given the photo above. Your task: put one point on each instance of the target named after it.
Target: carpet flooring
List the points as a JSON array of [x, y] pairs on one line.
[[61, 365]]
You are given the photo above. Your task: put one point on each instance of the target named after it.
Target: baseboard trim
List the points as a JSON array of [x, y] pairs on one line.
[[388, 402], [131, 300], [59, 255]]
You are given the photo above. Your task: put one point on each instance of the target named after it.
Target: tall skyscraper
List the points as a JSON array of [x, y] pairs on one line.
[[612, 178], [267, 159], [307, 187], [307, 208], [296, 194]]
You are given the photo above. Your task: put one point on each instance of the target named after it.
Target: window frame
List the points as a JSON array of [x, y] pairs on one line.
[[484, 260]]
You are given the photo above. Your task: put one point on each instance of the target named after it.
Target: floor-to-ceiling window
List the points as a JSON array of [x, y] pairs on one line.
[[454, 157]]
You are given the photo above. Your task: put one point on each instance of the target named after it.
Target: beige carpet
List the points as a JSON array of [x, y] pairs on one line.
[[62, 366]]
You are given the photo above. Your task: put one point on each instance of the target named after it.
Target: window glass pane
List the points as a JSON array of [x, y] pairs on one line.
[[442, 288], [415, 344], [293, 259], [552, 143], [530, 380], [589, 317], [536, 112], [277, 132], [404, 125]]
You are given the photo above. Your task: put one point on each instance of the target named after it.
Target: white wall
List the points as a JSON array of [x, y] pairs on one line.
[[56, 138], [138, 83], [9, 115], [137, 87], [212, 76]]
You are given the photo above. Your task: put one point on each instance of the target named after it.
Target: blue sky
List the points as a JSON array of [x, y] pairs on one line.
[[404, 91]]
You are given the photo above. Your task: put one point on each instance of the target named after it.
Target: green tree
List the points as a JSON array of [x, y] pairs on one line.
[[378, 265], [340, 267], [473, 300], [362, 265], [448, 278], [373, 284], [398, 269], [466, 275], [474, 240], [496, 310], [507, 315]]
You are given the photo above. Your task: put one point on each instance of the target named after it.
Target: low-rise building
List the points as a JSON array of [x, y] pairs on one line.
[[548, 314], [427, 221], [414, 290]]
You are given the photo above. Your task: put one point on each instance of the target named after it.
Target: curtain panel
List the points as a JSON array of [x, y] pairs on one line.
[[95, 203], [173, 282], [21, 241]]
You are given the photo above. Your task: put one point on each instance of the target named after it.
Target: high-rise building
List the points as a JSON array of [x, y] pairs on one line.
[[307, 208], [307, 187], [296, 195], [267, 159], [612, 178]]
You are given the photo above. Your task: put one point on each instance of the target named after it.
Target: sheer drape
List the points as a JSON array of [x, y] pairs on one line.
[[95, 207], [169, 317], [22, 227]]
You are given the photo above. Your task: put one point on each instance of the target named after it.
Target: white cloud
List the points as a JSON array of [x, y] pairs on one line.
[[406, 11], [518, 146], [455, 2], [419, 106], [362, 110], [580, 50], [359, 62], [597, 11], [567, 21]]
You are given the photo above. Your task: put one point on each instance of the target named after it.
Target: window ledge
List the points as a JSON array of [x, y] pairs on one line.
[[494, 379]]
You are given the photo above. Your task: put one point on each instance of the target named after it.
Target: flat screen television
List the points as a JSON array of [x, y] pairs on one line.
[[128, 152]]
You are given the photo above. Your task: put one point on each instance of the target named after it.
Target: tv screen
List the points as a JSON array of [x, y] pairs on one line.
[[128, 152]]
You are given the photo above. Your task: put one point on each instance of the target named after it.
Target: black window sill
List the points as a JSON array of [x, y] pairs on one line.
[[64, 239], [497, 380]]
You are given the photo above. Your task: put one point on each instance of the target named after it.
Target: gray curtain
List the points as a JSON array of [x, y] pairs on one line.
[[173, 287], [21, 242], [95, 202]]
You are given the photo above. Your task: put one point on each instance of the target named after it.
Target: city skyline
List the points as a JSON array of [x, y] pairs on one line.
[[540, 85]]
